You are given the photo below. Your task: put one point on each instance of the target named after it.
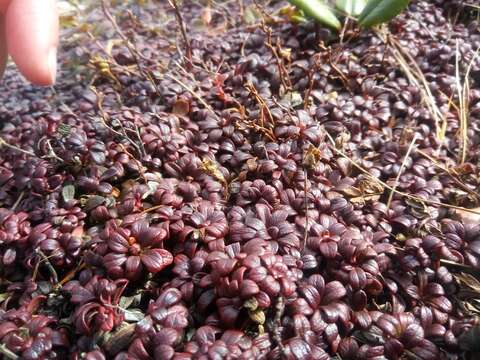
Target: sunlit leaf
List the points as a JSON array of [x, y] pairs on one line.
[[68, 192], [181, 107], [257, 316], [4, 296], [380, 11], [319, 11], [206, 15], [133, 315], [468, 216], [298, 19], [66, 8], [251, 15], [292, 98], [68, 21], [127, 301], [351, 7]]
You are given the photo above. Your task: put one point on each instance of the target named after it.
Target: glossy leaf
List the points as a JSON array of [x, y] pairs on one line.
[[156, 260], [380, 11], [334, 291], [319, 11], [351, 7]]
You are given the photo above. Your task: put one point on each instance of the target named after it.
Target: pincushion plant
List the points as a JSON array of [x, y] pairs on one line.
[[367, 14], [179, 213]]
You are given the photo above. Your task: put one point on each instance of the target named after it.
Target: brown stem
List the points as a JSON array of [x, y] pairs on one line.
[[49, 266], [71, 274], [183, 31], [386, 186], [131, 48], [460, 267], [277, 323], [19, 199], [305, 204]]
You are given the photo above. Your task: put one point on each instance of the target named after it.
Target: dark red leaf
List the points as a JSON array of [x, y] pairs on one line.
[[156, 260]]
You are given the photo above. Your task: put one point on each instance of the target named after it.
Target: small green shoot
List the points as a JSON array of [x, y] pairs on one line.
[[319, 11], [366, 13]]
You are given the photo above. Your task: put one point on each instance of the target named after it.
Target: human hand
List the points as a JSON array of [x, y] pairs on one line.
[[29, 34]]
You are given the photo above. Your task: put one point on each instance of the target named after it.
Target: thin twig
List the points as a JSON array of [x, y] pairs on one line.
[[141, 168], [8, 353], [416, 77], [142, 147], [104, 117], [35, 271], [384, 184], [119, 31], [49, 266], [449, 172], [13, 147], [150, 209], [131, 47], [462, 106], [311, 80], [282, 71], [463, 92], [68, 109], [242, 10], [124, 131], [460, 267], [344, 29], [183, 30], [20, 197], [472, 6], [262, 104], [404, 163], [340, 73], [51, 152], [191, 91], [305, 204], [277, 323], [70, 275]]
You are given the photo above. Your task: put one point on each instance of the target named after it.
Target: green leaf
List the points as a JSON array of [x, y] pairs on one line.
[[127, 301], [351, 7], [380, 11], [292, 99], [68, 192], [298, 19], [251, 15], [371, 5], [133, 315], [317, 10]]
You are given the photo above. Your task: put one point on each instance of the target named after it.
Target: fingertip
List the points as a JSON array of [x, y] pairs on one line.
[[32, 38], [52, 65], [3, 47], [3, 63]]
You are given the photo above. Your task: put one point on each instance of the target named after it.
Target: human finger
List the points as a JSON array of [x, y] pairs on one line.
[[31, 30], [3, 47]]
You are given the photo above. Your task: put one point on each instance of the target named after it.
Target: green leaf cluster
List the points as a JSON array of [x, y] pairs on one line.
[[368, 13]]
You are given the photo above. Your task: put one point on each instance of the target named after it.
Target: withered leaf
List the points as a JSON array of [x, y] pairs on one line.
[[120, 339], [181, 107], [472, 216]]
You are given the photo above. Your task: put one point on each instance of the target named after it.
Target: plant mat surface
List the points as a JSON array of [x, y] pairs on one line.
[[212, 180]]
